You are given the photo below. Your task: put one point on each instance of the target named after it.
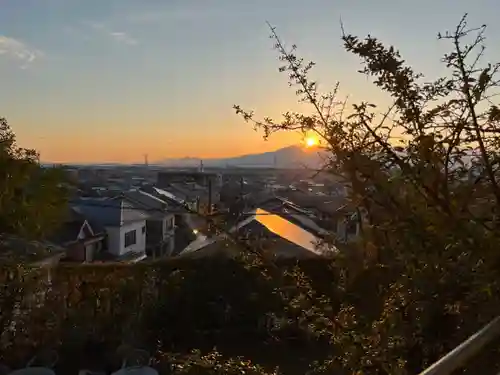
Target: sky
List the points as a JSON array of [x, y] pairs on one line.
[[112, 80]]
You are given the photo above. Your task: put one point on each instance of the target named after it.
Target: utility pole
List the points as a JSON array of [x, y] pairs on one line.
[[209, 195], [242, 182], [243, 205]]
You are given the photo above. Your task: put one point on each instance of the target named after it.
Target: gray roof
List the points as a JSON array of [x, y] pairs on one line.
[[284, 229], [70, 229], [152, 206], [308, 202], [187, 191], [145, 200], [278, 226], [129, 213], [169, 195], [109, 211]]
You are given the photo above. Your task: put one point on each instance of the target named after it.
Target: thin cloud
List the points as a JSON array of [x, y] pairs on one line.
[[122, 37], [18, 51], [118, 36]]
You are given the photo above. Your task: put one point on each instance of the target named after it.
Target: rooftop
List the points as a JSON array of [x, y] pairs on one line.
[[148, 203], [321, 203], [286, 230], [103, 212], [273, 224], [169, 195], [145, 199]]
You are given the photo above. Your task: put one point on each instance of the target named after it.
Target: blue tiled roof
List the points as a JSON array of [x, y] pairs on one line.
[[109, 212]]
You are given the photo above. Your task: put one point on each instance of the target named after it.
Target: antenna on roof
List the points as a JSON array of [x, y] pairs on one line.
[[146, 163]]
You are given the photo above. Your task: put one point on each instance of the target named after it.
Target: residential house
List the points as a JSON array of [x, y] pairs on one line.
[[199, 190], [187, 224], [197, 198], [272, 233], [124, 224], [77, 236], [160, 222], [332, 214]]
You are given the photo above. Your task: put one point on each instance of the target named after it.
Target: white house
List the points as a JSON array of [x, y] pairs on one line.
[[124, 224], [160, 221]]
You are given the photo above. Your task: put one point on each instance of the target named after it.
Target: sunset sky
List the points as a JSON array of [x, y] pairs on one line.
[[110, 80]]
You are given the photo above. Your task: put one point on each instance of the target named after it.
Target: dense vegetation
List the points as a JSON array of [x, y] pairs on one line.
[[424, 177], [422, 278], [173, 309], [32, 199]]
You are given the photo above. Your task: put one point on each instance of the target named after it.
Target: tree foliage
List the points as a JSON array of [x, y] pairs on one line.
[[424, 173], [32, 199], [168, 308]]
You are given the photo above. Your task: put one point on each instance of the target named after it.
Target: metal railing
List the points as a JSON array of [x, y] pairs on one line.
[[459, 356]]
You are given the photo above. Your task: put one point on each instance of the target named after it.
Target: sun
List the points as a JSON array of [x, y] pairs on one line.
[[311, 141]]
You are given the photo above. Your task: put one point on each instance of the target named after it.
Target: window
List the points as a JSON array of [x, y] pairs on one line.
[[143, 229], [130, 238]]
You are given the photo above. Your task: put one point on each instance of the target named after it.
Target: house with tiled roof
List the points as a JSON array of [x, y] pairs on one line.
[[187, 224], [160, 221], [82, 242], [123, 223], [317, 213], [273, 234]]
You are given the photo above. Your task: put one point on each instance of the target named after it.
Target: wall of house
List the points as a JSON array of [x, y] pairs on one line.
[[116, 238], [154, 232], [168, 226], [168, 235], [91, 251], [160, 235], [81, 252], [76, 252], [169, 246]]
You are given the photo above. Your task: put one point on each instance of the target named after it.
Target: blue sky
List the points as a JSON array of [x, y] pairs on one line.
[[109, 80]]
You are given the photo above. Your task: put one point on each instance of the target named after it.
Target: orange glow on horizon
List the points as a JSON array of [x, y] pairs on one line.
[[82, 149]]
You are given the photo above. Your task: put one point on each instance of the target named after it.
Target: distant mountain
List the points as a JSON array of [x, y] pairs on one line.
[[287, 157]]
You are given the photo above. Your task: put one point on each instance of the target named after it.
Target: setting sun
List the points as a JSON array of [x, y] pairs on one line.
[[311, 141]]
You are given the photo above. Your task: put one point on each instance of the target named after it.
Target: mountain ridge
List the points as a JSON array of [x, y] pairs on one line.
[[287, 157]]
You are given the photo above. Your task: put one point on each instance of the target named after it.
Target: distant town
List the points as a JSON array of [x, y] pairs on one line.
[[134, 213]]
